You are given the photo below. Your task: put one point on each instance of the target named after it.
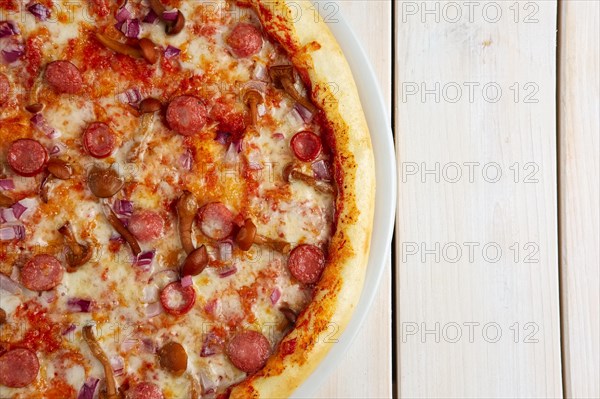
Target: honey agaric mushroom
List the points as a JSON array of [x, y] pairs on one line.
[[59, 169], [186, 211], [292, 172], [5, 201], [77, 254], [149, 105], [146, 48], [252, 98], [98, 352], [172, 27], [195, 262], [283, 77], [104, 183], [247, 236]]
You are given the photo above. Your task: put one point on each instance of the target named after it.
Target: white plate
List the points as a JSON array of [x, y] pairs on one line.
[[385, 198]]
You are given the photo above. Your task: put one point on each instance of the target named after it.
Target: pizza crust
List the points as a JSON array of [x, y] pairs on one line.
[[296, 25]]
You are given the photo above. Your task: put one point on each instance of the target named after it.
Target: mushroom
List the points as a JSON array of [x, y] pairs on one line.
[[292, 171], [146, 48], [173, 358], [59, 169], [195, 262], [149, 50], [34, 108], [289, 314], [283, 77], [116, 223], [172, 27], [252, 98], [104, 183], [98, 352], [76, 254], [5, 201], [43, 191], [247, 236], [2, 316], [186, 210], [149, 105]]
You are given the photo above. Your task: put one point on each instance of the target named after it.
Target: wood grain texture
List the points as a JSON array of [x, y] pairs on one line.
[[579, 132], [366, 372], [477, 262]]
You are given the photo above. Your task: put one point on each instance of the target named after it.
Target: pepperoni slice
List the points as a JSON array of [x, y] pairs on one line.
[[186, 115], [245, 40], [146, 225], [98, 140], [27, 157], [18, 368], [4, 88], [306, 146], [306, 263], [145, 390], [176, 299], [64, 77], [249, 351], [42, 273], [216, 221]]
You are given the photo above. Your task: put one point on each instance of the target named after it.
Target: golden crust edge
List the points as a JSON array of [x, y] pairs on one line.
[[283, 374]]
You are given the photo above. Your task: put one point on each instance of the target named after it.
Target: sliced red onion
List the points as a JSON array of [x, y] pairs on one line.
[[8, 28], [131, 96], [227, 271], [88, 389], [131, 28], [149, 345], [7, 184], [223, 137], [78, 305], [208, 386], [306, 115], [151, 17], [295, 118], [144, 260], [321, 170], [18, 209], [128, 344], [9, 233], [9, 285], [225, 251], [49, 296], [186, 281], [171, 51], [278, 136], [231, 154], [117, 238], [275, 295], [118, 364], [119, 25], [153, 309], [40, 122], [123, 208], [186, 160], [13, 51], [122, 14], [7, 215], [55, 150], [150, 293], [40, 11], [70, 329], [170, 15], [260, 71], [211, 345], [261, 110]]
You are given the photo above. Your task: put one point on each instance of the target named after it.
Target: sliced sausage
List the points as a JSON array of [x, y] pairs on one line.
[[4, 88], [42, 273], [176, 299], [18, 368], [186, 115], [64, 77], [145, 390], [216, 221], [249, 351], [306, 263], [245, 40], [98, 140], [306, 146], [27, 157], [146, 225]]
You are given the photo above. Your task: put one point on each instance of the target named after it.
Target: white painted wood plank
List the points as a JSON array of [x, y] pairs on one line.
[[476, 97], [366, 372], [579, 130]]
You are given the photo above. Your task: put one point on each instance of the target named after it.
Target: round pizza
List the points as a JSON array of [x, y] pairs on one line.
[[186, 198]]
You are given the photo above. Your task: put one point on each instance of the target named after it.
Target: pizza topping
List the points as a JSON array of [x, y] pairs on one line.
[[245, 40], [40, 11], [306, 263], [173, 358], [149, 50], [252, 98], [76, 254], [88, 388], [18, 368], [289, 314], [149, 105], [129, 27], [27, 157], [41, 273], [174, 19], [144, 390], [293, 172], [4, 88], [186, 210], [146, 225], [321, 170], [8, 28], [2, 316], [9, 233], [249, 351], [98, 140], [176, 299], [35, 108], [5, 201], [186, 115], [247, 236], [195, 262], [283, 77], [98, 352], [64, 77], [145, 48], [104, 182], [306, 146], [118, 225], [59, 169], [171, 51], [216, 221]]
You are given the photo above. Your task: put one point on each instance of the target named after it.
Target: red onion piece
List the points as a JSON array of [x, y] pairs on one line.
[[131, 96], [208, 386], [9, 233], [306, 115], [186, 281], [131, 28], [7, 184], [151, 17], [9, 285], [171, 51], [144, 260], [211, 345], [122, 14], [18, 209], [231, 154], [275, 295], [278, 136], [128, 344], [78, 305], [55, 150], [118, 364], [260, 72], [70, 329], [186, 160], [123, 208], [170, 15], [88, 389], [295, 118], [321, 170], [13, 51], [223, 137], [40, 122], [8, 28], [7, 215], [40, 11], [227, 271], [153, 309]]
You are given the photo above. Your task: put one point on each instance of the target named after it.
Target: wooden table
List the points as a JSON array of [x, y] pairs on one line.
[[496, 251]]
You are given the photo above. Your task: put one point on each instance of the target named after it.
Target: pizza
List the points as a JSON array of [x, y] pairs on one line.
[[186, 198]]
